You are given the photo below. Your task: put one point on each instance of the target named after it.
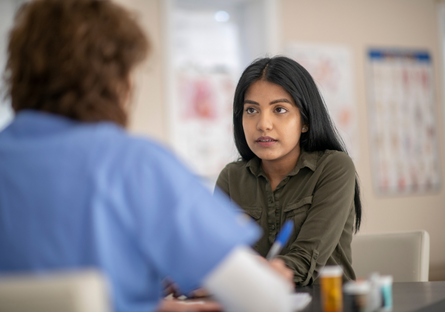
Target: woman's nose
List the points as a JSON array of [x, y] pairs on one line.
[[265, 122]]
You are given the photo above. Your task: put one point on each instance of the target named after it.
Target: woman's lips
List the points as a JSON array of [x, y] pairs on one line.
[[265, 141]]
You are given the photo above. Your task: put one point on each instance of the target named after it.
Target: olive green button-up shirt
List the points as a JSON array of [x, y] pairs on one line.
[[318, 195]]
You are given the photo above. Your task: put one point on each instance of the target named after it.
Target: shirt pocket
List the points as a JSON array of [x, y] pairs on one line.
[[253, 211], [298, 211]]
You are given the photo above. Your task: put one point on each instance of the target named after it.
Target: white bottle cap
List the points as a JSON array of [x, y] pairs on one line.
[[385, 280], [331, 271], [357, 288]]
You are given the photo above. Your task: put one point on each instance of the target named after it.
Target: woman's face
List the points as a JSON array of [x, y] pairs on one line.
[[272, 123]]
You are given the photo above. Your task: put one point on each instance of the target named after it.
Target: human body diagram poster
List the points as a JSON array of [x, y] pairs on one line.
[[331, 67], [205, 69], [402, 112]]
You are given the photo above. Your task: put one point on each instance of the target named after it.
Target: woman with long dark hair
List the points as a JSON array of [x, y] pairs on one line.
[[293, 166]]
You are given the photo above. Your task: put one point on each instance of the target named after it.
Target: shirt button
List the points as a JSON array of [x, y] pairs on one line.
[[273, 226]]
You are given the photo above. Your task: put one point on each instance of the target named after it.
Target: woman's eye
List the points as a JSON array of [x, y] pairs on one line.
[[281, 110], [250, 110]]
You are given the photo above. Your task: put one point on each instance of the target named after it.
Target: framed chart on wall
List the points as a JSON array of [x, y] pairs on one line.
[[402, 122]]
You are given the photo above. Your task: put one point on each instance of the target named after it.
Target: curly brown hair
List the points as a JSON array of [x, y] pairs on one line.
[[73, 58]]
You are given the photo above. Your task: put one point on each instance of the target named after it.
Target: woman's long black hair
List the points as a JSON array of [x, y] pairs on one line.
[[296, 80]]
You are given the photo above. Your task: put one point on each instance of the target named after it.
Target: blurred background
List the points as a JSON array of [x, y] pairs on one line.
[[378, 63]]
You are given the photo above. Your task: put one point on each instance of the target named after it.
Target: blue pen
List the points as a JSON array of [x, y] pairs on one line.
[[282, 238]]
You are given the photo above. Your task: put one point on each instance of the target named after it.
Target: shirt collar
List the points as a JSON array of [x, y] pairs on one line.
[[33, 123], [306, 159], [255, 166]]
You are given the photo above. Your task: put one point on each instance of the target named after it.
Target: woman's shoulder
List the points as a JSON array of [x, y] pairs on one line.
[[233, 170], [336, 159], [235, 166]]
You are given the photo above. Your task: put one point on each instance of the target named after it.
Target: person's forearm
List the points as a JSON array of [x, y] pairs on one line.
[[300, 263], [242, 283]]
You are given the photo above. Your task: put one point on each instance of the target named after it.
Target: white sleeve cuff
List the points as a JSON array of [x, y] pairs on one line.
[[241, 282]]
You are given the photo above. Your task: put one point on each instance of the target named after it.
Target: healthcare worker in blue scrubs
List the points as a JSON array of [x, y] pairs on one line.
[[77, 191]]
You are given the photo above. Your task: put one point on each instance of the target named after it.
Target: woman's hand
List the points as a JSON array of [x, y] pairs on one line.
[[279, 266]]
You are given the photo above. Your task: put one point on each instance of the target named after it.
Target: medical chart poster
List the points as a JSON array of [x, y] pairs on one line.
[[402, 113], [205, 69], [331, 66]]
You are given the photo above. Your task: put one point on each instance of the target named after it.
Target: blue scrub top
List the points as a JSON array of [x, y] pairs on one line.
[[77, 195]]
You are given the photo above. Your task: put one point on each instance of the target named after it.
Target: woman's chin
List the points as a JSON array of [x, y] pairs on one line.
[[267, 156]]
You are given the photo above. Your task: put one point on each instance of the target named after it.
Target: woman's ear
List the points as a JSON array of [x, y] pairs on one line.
[[304, 129]]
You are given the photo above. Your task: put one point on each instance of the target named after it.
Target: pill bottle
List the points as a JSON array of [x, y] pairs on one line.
[[385, 283], [331, 288], [356, 296]]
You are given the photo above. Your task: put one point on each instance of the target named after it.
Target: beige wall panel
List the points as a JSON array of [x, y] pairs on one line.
[[148, 108]]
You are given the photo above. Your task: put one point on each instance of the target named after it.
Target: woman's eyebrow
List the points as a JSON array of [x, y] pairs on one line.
[[280, 101], [271, 103], [250, 102]]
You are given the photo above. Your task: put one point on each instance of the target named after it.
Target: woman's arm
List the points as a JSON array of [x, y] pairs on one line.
[[327, 218]]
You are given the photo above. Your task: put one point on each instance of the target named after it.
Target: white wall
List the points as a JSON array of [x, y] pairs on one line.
[[148, 115]]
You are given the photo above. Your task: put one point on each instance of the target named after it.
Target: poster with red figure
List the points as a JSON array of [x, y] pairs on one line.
[[402, 122], [205, 68]]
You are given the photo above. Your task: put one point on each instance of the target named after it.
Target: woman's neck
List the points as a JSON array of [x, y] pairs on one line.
[[277, 170]]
